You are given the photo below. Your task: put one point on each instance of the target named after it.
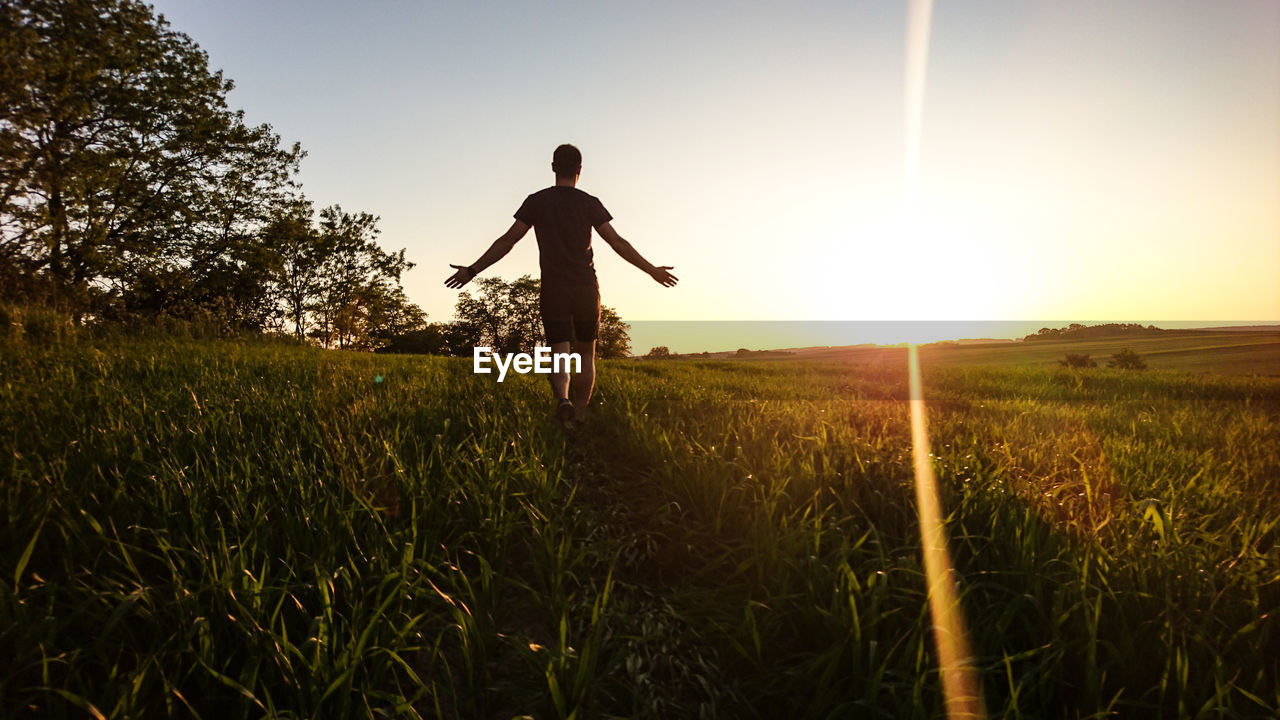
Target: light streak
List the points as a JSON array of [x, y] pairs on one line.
[[919, 16], [960, 687]]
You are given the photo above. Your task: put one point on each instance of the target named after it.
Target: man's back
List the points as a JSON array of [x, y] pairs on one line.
[[562, 218]]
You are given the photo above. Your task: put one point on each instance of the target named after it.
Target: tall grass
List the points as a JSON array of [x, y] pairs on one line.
[[235, 529]]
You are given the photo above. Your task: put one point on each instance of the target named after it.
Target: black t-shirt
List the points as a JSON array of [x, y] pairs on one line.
[[562, 218]]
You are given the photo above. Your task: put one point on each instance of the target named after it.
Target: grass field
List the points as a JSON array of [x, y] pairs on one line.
[[222, 530], [1239, 353]]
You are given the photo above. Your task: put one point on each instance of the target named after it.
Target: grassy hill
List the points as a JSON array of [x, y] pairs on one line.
[[1229, 352], [229, 530], [1232, 352]]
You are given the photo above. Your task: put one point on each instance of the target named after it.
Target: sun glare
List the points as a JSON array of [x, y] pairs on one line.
[[960, 683], [925, 271]]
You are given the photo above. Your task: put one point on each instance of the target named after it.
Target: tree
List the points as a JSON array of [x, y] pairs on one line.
[[612, 340], [351, 273], [661, 352], [1127, 359], [297, 281], [389, 315], [1077, 360], [506, 316], [431, 339], [1077, 331], [121, 167], [332, 281]]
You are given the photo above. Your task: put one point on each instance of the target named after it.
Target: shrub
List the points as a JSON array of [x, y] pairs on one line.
[[1076, 360], [10, 324], [36, 324], [1127, 359]]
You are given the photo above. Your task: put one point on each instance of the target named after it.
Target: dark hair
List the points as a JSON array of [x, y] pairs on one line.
[[566, 161]]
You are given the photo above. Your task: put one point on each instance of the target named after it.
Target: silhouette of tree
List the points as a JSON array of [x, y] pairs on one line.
[[613, 339], [352, 275], [1077, 331], [297, 280], [121, 166], [506, 317], [331, 281], [431, 339], [389, 315], [503, 315], [1077, 360], [1127, 359], [660, 352]]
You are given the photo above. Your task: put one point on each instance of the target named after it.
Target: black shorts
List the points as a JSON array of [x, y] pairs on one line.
[[570, 312]]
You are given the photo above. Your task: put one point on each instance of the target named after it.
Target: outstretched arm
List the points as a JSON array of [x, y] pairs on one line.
[[628, 253], [496, 251]]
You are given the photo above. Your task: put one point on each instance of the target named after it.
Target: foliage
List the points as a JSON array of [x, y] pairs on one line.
[[358, 300], [744, 353], [432, 339], [333, 282], [129, 190], [1127, 359], [613, 339], [300, 255], [121, 167], [503, 315], [1077, 331], [661, 352], [506, 316], [243, 530], [36, 323], [1078, 360]]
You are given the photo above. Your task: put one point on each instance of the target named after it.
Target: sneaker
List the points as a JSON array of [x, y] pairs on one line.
[[564, 412]]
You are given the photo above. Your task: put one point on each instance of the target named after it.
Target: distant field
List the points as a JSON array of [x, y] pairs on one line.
[[246, 530], [1238, 353]]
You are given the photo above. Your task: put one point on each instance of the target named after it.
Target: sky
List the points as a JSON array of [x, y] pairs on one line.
[[1093, 161]]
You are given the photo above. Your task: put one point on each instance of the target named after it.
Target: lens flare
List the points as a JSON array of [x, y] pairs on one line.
[[955, 660], [919, 15], [959, 678]]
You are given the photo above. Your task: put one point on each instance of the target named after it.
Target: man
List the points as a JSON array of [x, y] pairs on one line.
[[562, 217]]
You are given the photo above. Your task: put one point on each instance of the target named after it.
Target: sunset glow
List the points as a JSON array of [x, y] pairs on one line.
[[1099, 161]]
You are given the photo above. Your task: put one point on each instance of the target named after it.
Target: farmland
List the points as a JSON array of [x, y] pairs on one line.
[[1231, 352], [248, 529]]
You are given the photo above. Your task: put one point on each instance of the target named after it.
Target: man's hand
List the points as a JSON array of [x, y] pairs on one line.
[[628, 253], [460, 278], [663, 277], [496, 251]]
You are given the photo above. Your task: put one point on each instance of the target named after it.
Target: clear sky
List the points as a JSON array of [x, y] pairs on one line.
[[1097, 160]]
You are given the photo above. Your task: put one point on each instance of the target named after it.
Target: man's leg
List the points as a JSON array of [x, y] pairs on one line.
[[559, 377], [557, 327], [586, 380]]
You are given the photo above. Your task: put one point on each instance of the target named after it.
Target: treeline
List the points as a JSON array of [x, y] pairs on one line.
[[750, 354], [504, 316], [1076, 331], [662, 352], [130, 191]]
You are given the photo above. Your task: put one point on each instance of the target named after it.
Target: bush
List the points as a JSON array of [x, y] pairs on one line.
[[659, 352], [1075, 360], [1127, 359], [36, 324], [434, 339], [10, 324]]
